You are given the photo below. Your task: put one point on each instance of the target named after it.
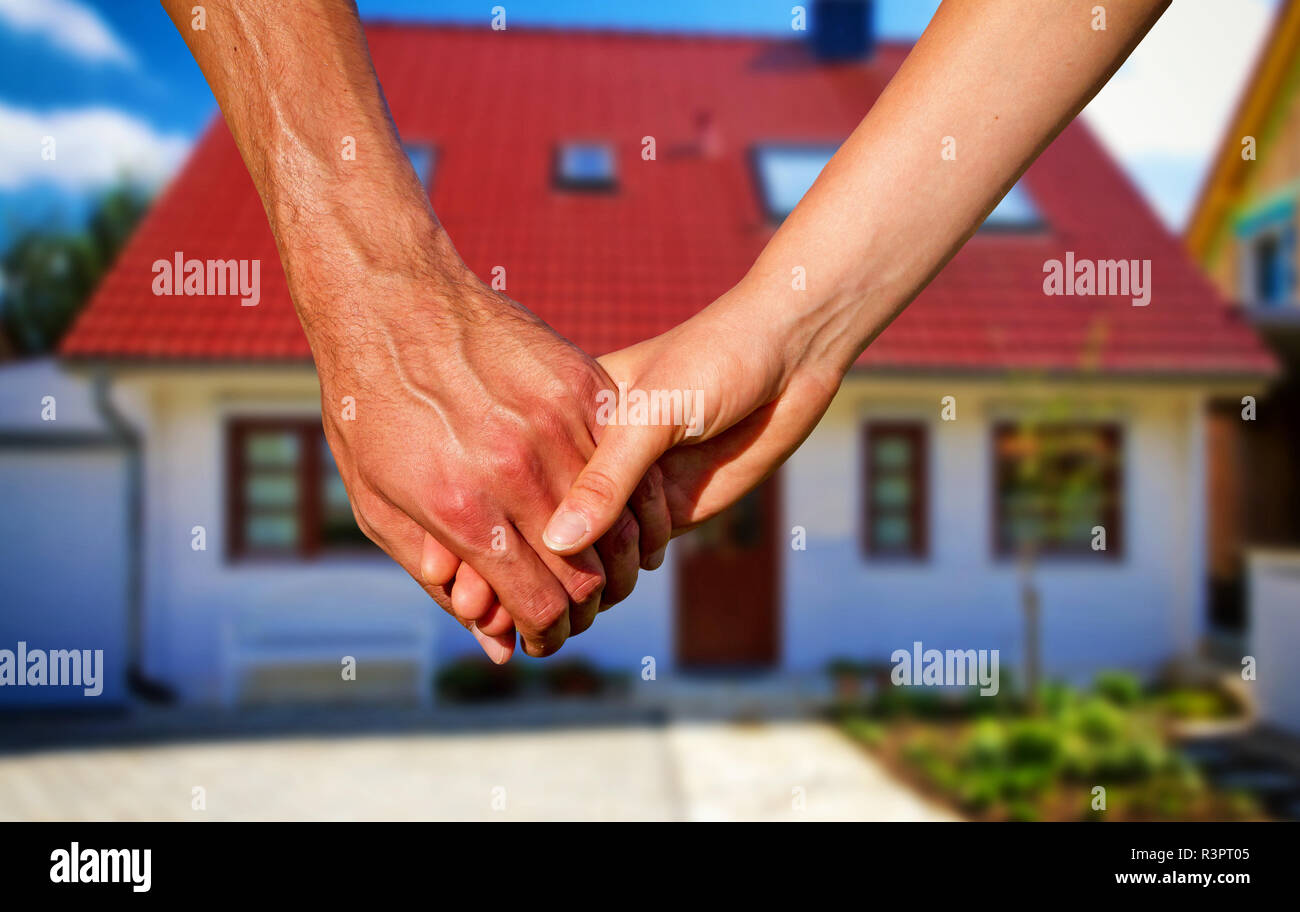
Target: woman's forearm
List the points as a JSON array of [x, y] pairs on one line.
[[1001, 78]]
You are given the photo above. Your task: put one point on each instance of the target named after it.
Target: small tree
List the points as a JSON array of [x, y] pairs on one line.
[[1054, 471], [46, 278]]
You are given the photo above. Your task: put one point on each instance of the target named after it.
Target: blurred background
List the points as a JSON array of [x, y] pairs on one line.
[[1103, 494]]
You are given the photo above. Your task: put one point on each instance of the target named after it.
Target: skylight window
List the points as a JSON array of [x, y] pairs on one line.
[[785, 172], [1016, 212], [585, 166], [422, 157]]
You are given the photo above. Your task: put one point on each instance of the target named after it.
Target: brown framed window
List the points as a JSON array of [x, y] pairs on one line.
[[895, 510], [1054, 484], [285, 496]]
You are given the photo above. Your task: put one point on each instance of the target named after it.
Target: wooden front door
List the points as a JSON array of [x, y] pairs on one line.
[[727, 584]]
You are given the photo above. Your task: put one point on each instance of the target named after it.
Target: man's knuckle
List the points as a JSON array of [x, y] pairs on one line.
[[599, 486], [652, 485], [625, 534], [585, 584], [544, 609], [513, 460], [457, 504]]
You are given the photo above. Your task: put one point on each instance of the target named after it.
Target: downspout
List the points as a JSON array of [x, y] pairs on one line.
[[128, 437]]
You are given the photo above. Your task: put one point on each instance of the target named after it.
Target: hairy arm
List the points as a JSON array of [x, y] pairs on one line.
[[471, 416]]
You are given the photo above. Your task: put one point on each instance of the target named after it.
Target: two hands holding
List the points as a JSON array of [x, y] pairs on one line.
[[477, 460]]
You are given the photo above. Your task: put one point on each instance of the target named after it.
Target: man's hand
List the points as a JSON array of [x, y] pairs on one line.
[[470, 419]]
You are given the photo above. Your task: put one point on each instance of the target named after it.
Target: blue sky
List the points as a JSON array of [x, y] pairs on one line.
[[113, 81]]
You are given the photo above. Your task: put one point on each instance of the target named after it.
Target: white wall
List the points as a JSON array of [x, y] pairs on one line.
[[1274, 635], [1133, 612], [189, 593], [63, 577], [63, 529]]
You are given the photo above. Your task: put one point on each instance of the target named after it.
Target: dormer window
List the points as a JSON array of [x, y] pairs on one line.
[[1267, 239], [585, 166], [1016, 213], [423, 158], [785, 172]]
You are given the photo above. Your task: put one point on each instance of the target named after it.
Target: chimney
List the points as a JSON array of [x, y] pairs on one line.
[[843, 29], [708, 137]]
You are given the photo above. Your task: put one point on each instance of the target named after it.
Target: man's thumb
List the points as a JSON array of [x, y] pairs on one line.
[[603, 488]]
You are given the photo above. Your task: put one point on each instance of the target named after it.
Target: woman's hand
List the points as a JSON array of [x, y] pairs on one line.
[[751, 393]]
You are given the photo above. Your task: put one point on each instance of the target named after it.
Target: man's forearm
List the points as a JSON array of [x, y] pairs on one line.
[[293, 80], [1001, 78]]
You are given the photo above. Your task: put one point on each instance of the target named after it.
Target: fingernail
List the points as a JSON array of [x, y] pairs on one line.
[[498, 653], [565, 530], [656, 560]]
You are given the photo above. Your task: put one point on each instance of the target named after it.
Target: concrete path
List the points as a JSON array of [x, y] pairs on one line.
[[647, 769]]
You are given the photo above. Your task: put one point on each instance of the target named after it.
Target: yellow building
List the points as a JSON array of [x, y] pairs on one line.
[[1244, 232]]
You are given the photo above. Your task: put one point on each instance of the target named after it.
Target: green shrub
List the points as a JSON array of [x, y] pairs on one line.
[[1100, 721], [868, 732], [1034, 741], [1120, 687], [979, 790], [1056, 697], [473, 679], [842, 666], [1023, 812], [1197, 704], [1131, 761], [987, 745], [573, 677]]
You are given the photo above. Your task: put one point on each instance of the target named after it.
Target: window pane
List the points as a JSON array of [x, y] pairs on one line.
[[892, 452], [892, 491], [1054, 485], [271, 490], [585, 165], [338, 525], [786, 172], [1268, 270], [892, 533], [272, 531], [271, 448], [269, 464], [1016, 211], [422, 158], [895, 499]]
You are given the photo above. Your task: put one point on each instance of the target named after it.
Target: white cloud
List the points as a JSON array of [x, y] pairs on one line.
[[92, 147], [1176, 92], [1164, 112], [69, 26]]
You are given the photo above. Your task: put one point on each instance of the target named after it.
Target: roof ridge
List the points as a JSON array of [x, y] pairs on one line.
[[592, 31]]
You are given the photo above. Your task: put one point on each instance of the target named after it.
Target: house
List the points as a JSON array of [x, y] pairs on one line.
[[892, 524], [1244, 232]]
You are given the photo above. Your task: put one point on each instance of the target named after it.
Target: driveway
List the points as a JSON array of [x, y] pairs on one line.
[[489, 764]]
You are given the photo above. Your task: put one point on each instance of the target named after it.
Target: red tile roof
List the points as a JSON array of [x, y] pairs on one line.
[[609, 270]]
